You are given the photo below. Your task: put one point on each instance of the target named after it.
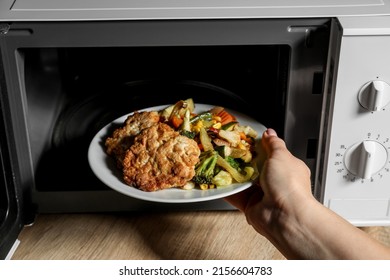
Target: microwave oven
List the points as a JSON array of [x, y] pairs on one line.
[[317, 72]]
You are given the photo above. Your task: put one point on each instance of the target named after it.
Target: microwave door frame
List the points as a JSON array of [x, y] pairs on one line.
[[96, 34], [15, 202], [11, 221]]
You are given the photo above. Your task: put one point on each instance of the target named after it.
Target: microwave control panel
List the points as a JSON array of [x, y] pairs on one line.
[[357, 184]]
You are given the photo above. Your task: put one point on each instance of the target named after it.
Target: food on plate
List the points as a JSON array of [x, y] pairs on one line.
[[160, 158], [177, 147], [122, 138]]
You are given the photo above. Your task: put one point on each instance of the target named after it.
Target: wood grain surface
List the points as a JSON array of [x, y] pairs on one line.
[[210, 235]]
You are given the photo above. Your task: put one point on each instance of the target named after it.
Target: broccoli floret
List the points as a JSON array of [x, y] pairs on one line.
[[233, 162], [204, 170], [189, 134]]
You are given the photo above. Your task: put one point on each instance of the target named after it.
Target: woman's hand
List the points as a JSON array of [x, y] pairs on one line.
[[283, 209]]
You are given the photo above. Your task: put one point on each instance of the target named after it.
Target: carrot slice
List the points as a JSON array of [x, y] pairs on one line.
[[176, 121], [226, 117]]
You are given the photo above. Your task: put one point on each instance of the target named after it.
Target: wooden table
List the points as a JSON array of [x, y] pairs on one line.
[[211, 235]]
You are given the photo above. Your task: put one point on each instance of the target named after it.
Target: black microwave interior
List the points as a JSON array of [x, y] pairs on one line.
[[72, 92]]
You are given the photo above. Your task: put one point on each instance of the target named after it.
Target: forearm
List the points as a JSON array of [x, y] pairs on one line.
[[328, 237]]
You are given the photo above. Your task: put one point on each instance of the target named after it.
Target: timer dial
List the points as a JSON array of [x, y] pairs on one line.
[[366, 158], [374, 95]]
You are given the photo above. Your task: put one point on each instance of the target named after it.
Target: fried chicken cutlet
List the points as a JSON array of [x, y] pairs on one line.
[[160, 158], [123, 137]]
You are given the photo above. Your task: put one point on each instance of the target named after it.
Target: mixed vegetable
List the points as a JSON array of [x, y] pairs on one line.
[[227, 147]]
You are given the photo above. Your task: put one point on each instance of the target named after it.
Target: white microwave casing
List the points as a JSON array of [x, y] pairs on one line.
[[57, 10], [362, 59]]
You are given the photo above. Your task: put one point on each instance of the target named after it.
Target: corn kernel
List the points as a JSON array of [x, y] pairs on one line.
[[218, 125], [241, 146], [197, 126], [204, 186]]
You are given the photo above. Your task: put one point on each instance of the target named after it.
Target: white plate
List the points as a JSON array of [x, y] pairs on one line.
[[105, 168]]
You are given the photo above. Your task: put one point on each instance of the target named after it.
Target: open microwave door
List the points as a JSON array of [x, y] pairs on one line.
[[11, 218]]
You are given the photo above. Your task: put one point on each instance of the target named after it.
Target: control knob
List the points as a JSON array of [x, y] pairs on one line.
[[366, 158], [374, 95]]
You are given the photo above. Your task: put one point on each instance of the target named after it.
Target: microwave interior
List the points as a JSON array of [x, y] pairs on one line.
[[71, 91]]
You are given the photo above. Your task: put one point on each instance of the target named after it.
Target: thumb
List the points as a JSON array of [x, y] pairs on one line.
[[271, 142]]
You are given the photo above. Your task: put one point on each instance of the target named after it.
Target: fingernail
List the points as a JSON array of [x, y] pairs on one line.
[[271, 132]]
